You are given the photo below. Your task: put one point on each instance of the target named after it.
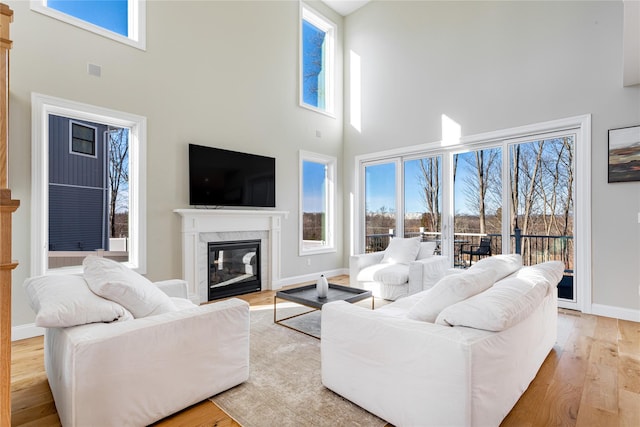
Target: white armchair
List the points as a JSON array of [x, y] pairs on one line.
[[406, 267], [108, 365]]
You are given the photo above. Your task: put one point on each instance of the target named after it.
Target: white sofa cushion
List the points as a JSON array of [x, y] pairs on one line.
[[426, 250], [497, 308], [118, 283], [506, 303], [401, 250], [501, 265], [63, 301], [450, 290], [389, 274]]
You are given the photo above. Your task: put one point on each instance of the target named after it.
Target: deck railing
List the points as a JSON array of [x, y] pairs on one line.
[[533, 248]]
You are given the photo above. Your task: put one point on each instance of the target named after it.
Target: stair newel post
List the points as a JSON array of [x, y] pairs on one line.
[[7, 207]]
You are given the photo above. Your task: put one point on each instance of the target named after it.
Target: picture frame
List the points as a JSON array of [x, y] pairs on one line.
[[624, 154]]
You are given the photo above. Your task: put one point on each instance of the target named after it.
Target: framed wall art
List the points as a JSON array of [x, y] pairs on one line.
[[624, 154]]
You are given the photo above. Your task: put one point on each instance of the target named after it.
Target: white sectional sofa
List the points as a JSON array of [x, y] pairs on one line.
[[110, 364], [459, 354]]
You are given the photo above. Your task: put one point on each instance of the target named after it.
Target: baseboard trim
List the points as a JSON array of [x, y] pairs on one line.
[[29, 330], [311, 277], [616, 312]]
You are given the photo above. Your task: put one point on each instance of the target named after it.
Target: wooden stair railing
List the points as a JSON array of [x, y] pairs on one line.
[[7, 207]]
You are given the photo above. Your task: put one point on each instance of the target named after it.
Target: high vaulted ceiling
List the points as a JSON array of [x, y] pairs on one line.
[[345, 7]]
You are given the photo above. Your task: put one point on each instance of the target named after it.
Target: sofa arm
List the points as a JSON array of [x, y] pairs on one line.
[[426, 272], [360, 261], [135, 372], [174, 287], [393, 367]]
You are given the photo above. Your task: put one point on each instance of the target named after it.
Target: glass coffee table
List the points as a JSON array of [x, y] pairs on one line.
[[308, 297]]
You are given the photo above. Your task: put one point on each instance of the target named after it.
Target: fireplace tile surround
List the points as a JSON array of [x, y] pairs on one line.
[[201, 226]]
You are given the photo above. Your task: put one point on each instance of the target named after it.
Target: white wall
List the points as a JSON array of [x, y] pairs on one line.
[[214, 73], [498, 65]]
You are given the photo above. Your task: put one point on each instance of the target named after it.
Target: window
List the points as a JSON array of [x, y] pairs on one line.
[[120, 20], [317, 203], [86, 203], [82, 139], [525, 190], [317, 53]]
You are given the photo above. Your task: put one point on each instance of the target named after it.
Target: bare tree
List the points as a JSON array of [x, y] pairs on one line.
[[118, 147], [485, 164], [429, 180]]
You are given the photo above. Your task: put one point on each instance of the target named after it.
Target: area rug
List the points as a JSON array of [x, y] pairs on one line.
[[284, 386]]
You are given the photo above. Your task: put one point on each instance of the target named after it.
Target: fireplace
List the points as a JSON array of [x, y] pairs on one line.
[[234, 268], [203, 226]]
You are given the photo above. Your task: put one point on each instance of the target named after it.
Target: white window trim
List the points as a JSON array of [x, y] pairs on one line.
[[41, 107], [323, 23], [580, 125], [137, 22], [331, 164], [95, 133]]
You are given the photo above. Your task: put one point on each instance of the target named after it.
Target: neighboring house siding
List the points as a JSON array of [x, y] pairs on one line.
[[75, 219], [77, 191]]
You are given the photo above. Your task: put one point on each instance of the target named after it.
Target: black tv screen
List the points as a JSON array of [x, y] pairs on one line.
[[220, 177]]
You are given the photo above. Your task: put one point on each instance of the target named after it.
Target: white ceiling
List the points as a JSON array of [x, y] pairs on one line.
[[345, 7]]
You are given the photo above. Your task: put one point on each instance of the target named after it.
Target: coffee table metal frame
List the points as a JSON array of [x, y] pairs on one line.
[[308, 297]]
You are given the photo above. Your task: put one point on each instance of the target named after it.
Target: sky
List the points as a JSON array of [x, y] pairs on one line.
[[381, 187], [109, 14]]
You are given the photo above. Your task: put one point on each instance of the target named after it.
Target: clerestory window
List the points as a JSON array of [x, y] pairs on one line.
[[120, 20], [317, 53]]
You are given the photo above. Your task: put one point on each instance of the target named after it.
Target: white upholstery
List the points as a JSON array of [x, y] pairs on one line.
[[116, 282], [415, 373], [66, 300], [449, 290], [135, 372], [406, 267]]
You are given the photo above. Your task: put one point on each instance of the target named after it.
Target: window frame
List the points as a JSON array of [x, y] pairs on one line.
[[41, 107], [95, 139], [330, 163], [323, 23], [137, 22]]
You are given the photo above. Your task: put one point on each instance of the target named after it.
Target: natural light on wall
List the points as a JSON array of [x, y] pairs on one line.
[[355, 94], [451, 131]]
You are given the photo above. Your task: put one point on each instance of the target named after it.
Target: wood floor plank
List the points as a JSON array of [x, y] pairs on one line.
[[629, 410], [594, 359]]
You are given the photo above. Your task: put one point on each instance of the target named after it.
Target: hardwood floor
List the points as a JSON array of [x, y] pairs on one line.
[[590, 378]]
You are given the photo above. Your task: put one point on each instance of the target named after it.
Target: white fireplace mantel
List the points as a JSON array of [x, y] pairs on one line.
[[196, 222]]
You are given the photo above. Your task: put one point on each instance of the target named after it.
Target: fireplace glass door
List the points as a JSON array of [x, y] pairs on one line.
[[234, 268]]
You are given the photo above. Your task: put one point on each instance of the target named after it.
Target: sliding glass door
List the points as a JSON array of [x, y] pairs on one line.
[[422, 183], [477, 201], [381, 201], [509, 196], [542, 203]]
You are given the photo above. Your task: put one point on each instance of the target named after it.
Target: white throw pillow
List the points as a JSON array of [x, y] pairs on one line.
[[401, 251], [497, 308], [450, 290], [426, 250], [63, 301], [116, 282], [501, 265]]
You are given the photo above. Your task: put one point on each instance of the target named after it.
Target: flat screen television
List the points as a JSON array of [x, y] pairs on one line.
[[220, 177]]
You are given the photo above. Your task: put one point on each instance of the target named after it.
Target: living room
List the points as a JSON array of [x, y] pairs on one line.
[[225, 74]]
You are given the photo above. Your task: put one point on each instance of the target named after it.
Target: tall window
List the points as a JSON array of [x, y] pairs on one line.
[[120, 20], [380, 204], [317, 199], [317, 61], [423, 198], [86, 204], [522, 190]]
